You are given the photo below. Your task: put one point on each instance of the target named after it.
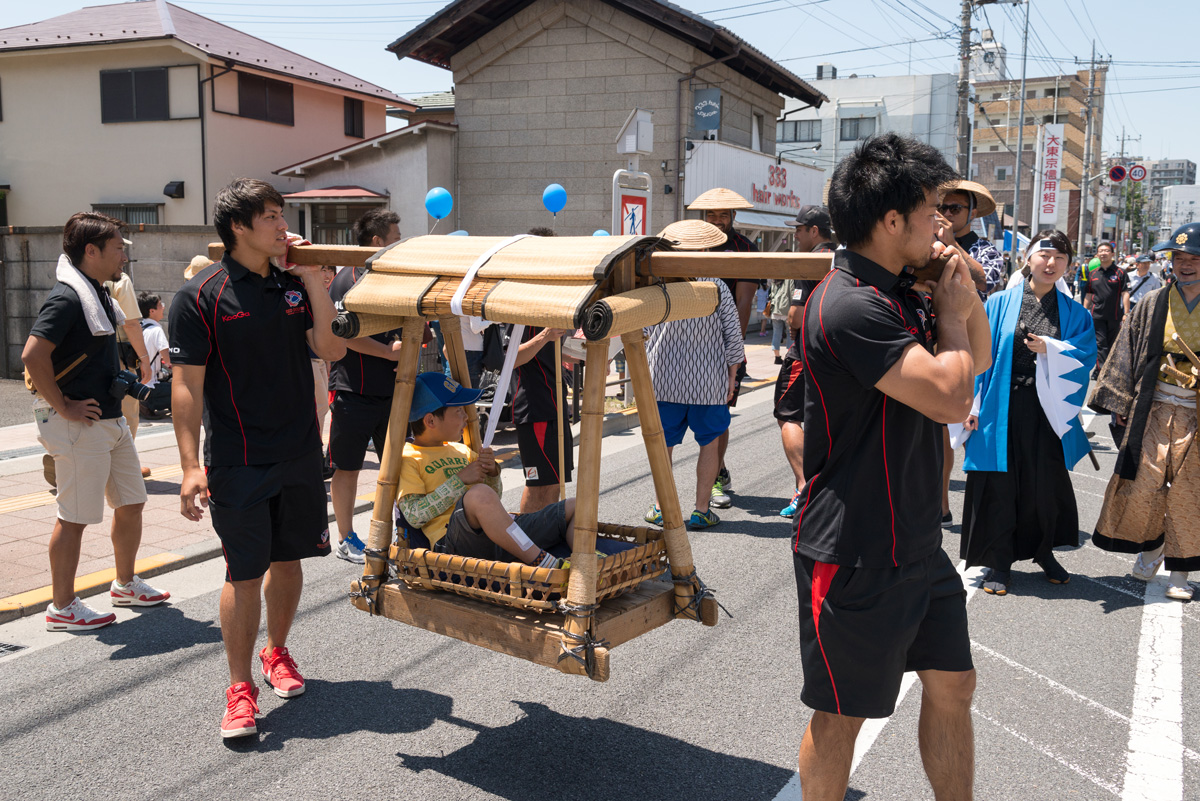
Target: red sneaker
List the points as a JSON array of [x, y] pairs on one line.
[[280, 671], [241, 705]]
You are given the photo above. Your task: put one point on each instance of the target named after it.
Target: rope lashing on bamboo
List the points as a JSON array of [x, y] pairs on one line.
[[456, 302], [703, 591], [366, 592], [584, 651]]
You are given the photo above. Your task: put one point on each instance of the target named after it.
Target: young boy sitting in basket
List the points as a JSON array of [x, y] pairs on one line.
[[454, 498]]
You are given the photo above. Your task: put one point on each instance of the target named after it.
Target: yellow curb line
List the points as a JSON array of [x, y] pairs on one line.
[[87, 585]]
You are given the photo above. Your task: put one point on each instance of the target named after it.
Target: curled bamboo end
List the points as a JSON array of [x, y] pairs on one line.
[[709, 611]]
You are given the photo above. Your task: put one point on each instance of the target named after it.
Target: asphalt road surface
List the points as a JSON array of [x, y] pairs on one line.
[[1081, 686]]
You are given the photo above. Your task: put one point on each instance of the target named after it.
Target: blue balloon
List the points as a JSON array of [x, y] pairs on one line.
[[554, 198], [438, 202], [459, 232], [599, 232]]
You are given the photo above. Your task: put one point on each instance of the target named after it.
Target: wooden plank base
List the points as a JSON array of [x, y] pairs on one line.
[[527, 635]]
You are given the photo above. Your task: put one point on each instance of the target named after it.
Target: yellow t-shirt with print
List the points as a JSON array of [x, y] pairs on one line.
[[424, 469]]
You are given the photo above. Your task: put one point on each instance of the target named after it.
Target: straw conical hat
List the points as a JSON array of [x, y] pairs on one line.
[[720, 198], [693, 235], [985, 204]]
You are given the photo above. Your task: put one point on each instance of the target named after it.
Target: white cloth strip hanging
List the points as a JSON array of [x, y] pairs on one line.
[[510, 358], [456, 302]]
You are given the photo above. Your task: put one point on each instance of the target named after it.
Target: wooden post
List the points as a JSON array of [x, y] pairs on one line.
[[581, 589], [679, 550], [379, 537], [452, 331], [563, 421]]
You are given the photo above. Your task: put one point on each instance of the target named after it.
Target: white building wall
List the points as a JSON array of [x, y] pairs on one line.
[[1180, 205], [922, 106]]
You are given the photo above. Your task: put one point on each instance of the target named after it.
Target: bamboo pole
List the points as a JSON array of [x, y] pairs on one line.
[[379, 537], [679, 550], [452, 332], [756, 266], [581, 588], [562, 424], [315, 255]]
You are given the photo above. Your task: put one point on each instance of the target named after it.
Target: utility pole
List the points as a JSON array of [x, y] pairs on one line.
[[1016, 212], [1086, 223], [963, 162], [1123, 195]]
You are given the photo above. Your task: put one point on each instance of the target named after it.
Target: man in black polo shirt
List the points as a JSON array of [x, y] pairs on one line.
[[71, 357], [238, 334], [813, 234], [363, 384], [537, 414], [1106, 294], [878, 595]]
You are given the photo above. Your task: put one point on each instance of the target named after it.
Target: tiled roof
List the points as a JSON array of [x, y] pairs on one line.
[[345, 192], [461, 22], [157, 19], [435, 100]]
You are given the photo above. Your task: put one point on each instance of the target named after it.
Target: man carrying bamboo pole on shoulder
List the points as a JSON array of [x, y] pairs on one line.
[[238, 335], [878, 595]]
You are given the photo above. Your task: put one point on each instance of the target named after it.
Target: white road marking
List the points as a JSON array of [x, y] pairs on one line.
[[1094, 779], [1154, 764]]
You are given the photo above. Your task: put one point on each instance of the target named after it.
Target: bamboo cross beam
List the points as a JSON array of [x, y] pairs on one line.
[[752, 266], [315, 255]]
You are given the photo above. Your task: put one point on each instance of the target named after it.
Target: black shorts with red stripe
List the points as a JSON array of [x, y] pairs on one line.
[[862, 629], [789, 392], [538, 443]]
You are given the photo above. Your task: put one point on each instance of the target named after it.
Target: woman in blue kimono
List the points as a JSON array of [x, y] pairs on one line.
[[1026, 432]]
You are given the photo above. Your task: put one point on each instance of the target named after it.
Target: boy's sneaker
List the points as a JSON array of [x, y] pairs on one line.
[[241, 704], [76, 616], [351, 549], [136, 593], [701, 520], [280, 671], [725, 480], [790, 509], [653, 515], [718, 498]]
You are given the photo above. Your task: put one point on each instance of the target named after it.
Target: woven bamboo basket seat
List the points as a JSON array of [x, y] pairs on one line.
[[534, 589]]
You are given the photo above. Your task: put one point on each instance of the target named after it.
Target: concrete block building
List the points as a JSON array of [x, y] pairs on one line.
[[542, 88]]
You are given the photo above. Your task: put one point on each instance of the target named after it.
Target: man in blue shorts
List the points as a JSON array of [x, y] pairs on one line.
[[693, 366]]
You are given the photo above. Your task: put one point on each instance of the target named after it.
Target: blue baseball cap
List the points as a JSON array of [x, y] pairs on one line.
[[435, 390]]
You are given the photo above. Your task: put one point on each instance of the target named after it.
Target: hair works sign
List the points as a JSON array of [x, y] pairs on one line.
[[781, 187]]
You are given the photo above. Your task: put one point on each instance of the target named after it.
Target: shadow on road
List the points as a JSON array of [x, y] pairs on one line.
[[545, 754], [330, 709], [158, 630]]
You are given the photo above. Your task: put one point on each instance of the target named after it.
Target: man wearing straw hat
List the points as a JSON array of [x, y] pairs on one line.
[[720, 208], [878, 595], [963, 202], [693, 366]]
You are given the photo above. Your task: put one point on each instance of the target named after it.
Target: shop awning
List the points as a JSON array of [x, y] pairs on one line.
[[764, 221]]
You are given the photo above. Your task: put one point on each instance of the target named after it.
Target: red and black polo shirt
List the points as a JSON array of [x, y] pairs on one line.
[[800, 296], [359, 372], [1106, 288], [534, 400], [249, 332], [875, 465]]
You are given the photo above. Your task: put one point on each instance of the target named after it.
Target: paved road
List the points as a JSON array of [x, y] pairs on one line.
[[16, 404], [1081, 691]]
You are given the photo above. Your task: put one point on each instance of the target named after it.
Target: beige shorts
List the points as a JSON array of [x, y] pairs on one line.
[[91, 463]]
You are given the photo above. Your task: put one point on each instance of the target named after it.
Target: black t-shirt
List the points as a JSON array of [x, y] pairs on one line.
[[736, 243], [874, 464], [61, 321], [533, 385], [1106, 287], [359, 372], [249, 334], [800, 296]]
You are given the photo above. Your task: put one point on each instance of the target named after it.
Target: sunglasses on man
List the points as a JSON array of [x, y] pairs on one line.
[[951, 208]]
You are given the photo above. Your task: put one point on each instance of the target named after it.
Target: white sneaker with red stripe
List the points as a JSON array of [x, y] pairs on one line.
[[136, 593], [76, 616]]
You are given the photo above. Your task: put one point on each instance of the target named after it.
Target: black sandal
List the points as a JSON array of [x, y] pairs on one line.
[[995, 582], [1055, 573]]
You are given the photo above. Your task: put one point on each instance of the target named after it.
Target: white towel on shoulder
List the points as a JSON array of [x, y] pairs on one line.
[[93, 312]]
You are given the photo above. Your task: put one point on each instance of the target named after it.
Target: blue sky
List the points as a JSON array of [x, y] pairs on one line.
[[1154, 87]]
